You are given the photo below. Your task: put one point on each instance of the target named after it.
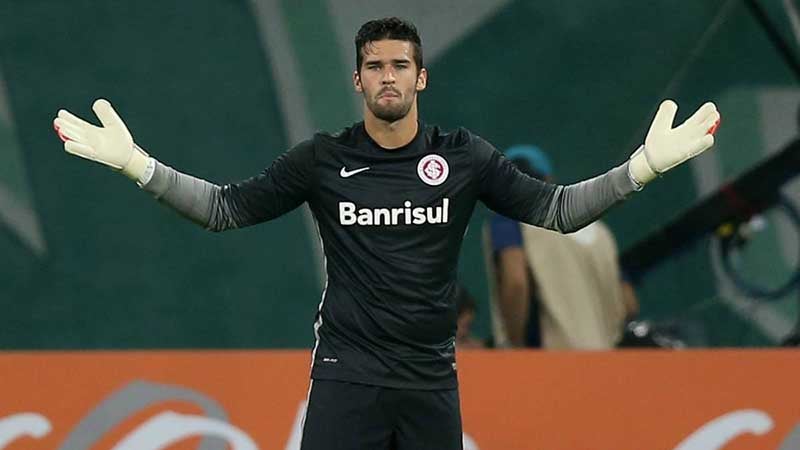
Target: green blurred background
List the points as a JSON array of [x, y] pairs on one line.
[[219, 88]]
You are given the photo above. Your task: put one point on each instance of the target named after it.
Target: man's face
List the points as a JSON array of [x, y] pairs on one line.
[[389, 79]]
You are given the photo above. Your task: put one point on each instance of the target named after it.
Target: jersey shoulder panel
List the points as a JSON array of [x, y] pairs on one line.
[[439, 139], [299, 162], [304, 150], [346, 137]]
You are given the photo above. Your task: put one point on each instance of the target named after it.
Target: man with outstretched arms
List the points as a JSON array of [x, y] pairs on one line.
[[392, 197]]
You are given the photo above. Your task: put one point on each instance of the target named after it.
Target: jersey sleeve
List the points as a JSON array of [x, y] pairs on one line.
[[564, 208], [278, 189]]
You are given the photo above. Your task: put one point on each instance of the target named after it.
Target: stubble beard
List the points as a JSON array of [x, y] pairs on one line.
[[391, 112]]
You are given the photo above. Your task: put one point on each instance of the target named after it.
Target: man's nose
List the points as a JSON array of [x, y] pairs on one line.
[[388, 77]]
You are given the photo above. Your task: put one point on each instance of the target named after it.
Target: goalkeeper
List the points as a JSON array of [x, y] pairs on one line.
[[392, 197]]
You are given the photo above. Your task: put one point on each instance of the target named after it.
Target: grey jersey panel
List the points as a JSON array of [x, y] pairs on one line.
[[194, 198], [577, 205]]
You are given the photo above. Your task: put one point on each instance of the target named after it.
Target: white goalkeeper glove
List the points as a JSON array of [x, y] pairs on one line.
[[666, 147], [110, 144]]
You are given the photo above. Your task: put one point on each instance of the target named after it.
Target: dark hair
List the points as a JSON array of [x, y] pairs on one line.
[[388, 28]]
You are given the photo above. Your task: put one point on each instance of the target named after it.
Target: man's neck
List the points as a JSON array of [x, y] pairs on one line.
[[392, 135]]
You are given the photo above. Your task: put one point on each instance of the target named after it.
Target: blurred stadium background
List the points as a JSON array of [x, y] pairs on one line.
[[219, 88]]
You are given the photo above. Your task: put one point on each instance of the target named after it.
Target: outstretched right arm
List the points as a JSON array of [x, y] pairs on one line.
[[283, 186]]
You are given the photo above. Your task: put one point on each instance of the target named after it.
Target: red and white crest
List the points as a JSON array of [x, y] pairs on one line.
[[433, 170]]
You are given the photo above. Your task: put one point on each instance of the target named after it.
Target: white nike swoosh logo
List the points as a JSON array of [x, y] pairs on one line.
[[345, 174]]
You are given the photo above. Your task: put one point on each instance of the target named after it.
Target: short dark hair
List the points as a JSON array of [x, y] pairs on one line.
[[388, 28]]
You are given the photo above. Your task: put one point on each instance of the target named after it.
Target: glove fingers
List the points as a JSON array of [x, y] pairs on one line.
[[707, 126], [703, 114], [65, 129], [665, 116], [68, 117], [711, 124], [693, 128], [67, 132], [105, 112], [58, 132]]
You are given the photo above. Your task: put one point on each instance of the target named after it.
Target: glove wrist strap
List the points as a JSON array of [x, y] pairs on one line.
[[137, 165], [640, 169]]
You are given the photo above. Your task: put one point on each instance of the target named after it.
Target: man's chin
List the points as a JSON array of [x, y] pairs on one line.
[[390, 114]]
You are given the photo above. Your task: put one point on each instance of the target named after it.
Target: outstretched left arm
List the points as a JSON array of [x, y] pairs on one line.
[[567, 208]]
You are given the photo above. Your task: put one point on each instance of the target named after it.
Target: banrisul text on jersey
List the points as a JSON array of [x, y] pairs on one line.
[[350, 214]]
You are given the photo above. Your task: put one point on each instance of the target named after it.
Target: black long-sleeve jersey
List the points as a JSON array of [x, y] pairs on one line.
[[391, 224]]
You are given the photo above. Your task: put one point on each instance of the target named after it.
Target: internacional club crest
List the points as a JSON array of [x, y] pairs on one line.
[[433, 170]]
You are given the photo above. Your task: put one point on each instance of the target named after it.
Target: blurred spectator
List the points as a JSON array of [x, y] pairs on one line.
[[552, 290], [466, 308], [793, 340]]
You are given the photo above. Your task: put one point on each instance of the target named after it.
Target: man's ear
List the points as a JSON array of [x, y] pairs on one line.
[[422, 80], [357, 82]]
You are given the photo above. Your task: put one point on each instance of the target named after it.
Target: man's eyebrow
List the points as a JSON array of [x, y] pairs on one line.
[[394, 61]]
